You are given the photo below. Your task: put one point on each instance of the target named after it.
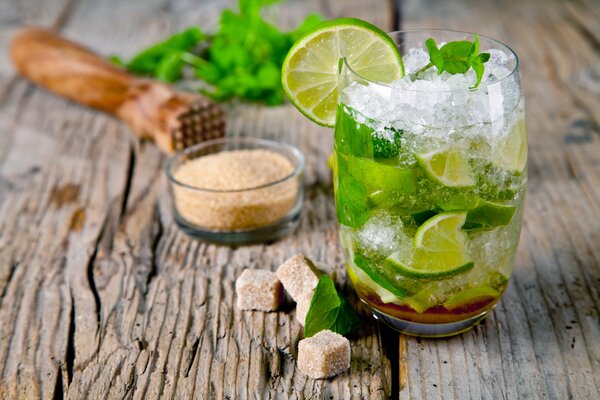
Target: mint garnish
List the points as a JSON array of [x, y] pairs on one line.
[[351, 206], [456, 58], [383, 281], [329, 310]]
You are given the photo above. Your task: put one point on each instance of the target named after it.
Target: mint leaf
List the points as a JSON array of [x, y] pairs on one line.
[[385, 148], [456, 58], [116, 60], [477, 66], [329, 310], [147, 61], [435, 56], [169, 69], [351, 199], [364, 264], [241, 59], [474, 50]]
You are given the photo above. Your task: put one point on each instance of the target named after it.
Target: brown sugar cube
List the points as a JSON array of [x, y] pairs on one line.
[[302, 307], [258, 290], [298, 276], [324, 355]]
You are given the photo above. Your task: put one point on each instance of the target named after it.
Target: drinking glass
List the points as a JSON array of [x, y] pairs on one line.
[[430, 178]]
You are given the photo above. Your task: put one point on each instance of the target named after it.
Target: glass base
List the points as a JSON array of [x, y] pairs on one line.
[[260, 235], [429, 330]]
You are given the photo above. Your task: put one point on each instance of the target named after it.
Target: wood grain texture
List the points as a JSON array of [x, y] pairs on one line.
[[543, 339], [100, 295]]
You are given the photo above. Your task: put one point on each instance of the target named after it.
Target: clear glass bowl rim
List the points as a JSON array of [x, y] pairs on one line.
[[480, 87], [273, 144]]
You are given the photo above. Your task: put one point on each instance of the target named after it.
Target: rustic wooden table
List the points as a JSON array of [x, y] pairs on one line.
[[101, 296]]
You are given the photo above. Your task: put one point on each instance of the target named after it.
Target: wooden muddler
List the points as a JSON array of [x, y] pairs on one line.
[[152, 109]]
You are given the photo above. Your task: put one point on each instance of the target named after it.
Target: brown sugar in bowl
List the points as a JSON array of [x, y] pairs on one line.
[[237, 190]]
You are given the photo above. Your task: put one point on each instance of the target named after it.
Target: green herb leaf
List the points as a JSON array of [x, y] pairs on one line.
[[364, 264], [351, 202], [456, 58], [170, 67], [147, 61], [241, 59], [329, 310], [477, 66], [474, 50], [435, 56], [386, 148], [116, 60]]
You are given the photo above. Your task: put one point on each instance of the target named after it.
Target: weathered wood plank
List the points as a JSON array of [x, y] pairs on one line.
[[543, 339], [103, 296]]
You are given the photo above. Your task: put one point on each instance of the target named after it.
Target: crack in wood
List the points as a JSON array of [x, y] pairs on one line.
[[129, 179], [70, 356], [146, 267], [11, 273], [58, 388], [90, 275], [193, 353]]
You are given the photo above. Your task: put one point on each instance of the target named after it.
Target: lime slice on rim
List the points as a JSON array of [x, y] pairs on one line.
[[310, 71], [448, 167], [439, 249]]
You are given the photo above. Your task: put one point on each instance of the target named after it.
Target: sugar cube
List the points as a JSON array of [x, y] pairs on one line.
[[302, 306], [324, 355], [298, 276], [258, 290]]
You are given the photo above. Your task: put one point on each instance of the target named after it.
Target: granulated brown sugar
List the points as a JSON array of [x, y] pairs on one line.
[[228, 201]]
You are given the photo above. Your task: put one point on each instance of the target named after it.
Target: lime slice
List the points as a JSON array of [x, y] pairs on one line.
[[440, 244], [511, 153], [480, 213], [488, 215], [439, 249], [448, 167], [471, 296], [311, 68]]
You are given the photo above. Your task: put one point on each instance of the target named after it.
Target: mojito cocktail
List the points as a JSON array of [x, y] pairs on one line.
[[430, 165], [430, 176]]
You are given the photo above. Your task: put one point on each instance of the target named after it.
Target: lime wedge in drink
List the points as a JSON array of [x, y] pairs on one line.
[[488, 215], [471, 296], [511, 153], [439, 249], [448, 167], [480, 213], [311, 68]]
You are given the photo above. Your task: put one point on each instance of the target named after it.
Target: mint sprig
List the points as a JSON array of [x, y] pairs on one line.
[[241, 59], [456, 58], [329, 310]]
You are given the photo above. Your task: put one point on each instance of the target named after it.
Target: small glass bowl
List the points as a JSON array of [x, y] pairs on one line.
[[250, 215]]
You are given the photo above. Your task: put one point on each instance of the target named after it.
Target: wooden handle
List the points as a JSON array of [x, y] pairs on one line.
[[70, 70]]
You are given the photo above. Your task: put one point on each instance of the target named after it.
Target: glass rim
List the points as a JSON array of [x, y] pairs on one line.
[[420, 30], [273, 144]]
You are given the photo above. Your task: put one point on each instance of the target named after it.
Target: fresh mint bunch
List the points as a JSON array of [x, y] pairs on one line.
[[456, 58], [242, 59], [329, 310]]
